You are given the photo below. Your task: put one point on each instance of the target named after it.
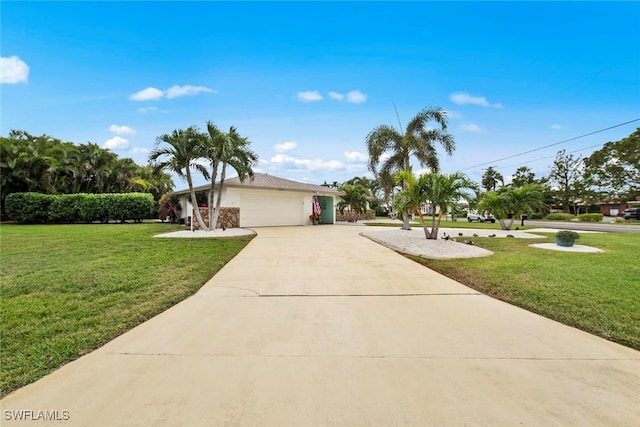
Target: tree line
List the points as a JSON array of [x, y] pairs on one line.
[[44, 164], [609, 174], [574, 183]]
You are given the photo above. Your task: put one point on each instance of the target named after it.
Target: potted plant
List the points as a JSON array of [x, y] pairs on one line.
[[566, 238], [314, 218]]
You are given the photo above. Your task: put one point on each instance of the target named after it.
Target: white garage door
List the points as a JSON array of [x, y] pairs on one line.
[[266, 208]]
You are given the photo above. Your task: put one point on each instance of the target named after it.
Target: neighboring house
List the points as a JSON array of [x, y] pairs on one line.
[[267, 200], [615, 208]]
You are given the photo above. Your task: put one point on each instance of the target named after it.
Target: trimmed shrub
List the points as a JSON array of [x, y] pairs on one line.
[[28, 208], [560, 216], [134, 206], [66, 208], [69, 208], [94, 207], [590, 217]]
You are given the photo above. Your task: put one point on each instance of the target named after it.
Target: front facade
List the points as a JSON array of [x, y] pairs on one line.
[[267, 200]]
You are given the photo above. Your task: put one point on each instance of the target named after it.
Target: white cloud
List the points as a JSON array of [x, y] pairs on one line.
[[356, 97], [462, 98], [472, 127], [187, 90], [309, 96], [148, 94], [308, 164], [121, 130], [13, 70], [356, 156], [116, 143], [140, 150], [285, 146], [556, 126]]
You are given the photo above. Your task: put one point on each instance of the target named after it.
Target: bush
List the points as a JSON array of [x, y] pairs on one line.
[[69, 208], [28, 208], [568, 235], [590, 217], [135, 206], [559, 217], [94, 207], [66, 208]]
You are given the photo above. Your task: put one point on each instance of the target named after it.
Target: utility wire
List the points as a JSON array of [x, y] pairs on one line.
[[551, 145], [546, 157]]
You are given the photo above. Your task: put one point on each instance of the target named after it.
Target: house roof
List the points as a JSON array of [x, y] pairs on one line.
[[268, 182]]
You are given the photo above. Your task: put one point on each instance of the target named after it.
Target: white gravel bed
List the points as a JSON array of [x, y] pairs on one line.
[[413, 242]]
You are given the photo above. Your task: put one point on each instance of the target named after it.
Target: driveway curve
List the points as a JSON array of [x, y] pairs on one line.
[[318, 326]]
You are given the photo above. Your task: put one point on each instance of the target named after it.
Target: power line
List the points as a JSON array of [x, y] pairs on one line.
[[546, 157], [551, 145]]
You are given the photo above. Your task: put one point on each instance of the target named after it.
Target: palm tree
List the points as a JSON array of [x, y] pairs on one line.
[[233, 150], [354, 199], [417, 141], [512, 202], [213, 142], [439, 191], [180, 155], [490, 179]]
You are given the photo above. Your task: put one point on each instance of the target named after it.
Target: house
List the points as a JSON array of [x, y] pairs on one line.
[[267, 200], [615, 208]]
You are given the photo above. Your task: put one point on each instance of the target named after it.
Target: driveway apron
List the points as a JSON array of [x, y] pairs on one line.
[[318, 326]]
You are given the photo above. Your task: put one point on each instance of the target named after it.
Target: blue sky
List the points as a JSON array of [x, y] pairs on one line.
[[306, 82]]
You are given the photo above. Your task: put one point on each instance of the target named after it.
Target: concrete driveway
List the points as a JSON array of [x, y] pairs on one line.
[[318, 326]]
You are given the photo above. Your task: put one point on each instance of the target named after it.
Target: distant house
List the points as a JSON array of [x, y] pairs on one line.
[[615, 208], [267, 200]]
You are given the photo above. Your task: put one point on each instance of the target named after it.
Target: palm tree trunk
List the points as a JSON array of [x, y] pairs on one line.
[[214, 175], [436, 228], [216, 214], [424, 226], [194, 202]]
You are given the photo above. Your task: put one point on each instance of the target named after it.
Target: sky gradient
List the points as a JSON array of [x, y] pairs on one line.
[[306, 82]]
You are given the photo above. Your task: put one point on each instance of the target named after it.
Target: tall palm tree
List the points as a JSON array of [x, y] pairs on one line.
[[213, 142], [439, 191], [416, 141], [512, 202], [183, 148], [491, 178], [233, 150]]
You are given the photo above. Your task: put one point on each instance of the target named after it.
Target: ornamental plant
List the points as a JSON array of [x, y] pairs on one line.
[[567, 235]]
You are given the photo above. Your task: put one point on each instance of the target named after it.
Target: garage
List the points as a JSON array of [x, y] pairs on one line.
[[266, 208]]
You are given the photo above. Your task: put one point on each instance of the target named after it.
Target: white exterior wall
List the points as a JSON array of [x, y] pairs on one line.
[[262, 207]]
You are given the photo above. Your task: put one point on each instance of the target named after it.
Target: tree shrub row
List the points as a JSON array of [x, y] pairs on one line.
[[37, 208], [590, 217], [559, 216]]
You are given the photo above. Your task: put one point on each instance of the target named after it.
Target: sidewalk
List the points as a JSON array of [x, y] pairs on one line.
[[318, 326]]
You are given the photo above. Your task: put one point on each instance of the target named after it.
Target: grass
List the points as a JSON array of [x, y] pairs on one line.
[[69, 289], [598, 293]]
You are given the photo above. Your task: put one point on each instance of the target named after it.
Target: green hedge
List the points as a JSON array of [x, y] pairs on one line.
[[590, 217], [560, 217], [28, 208], [33, 208]]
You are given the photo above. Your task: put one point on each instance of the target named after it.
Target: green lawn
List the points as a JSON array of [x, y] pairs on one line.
[[67, 289], [598, 293]]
